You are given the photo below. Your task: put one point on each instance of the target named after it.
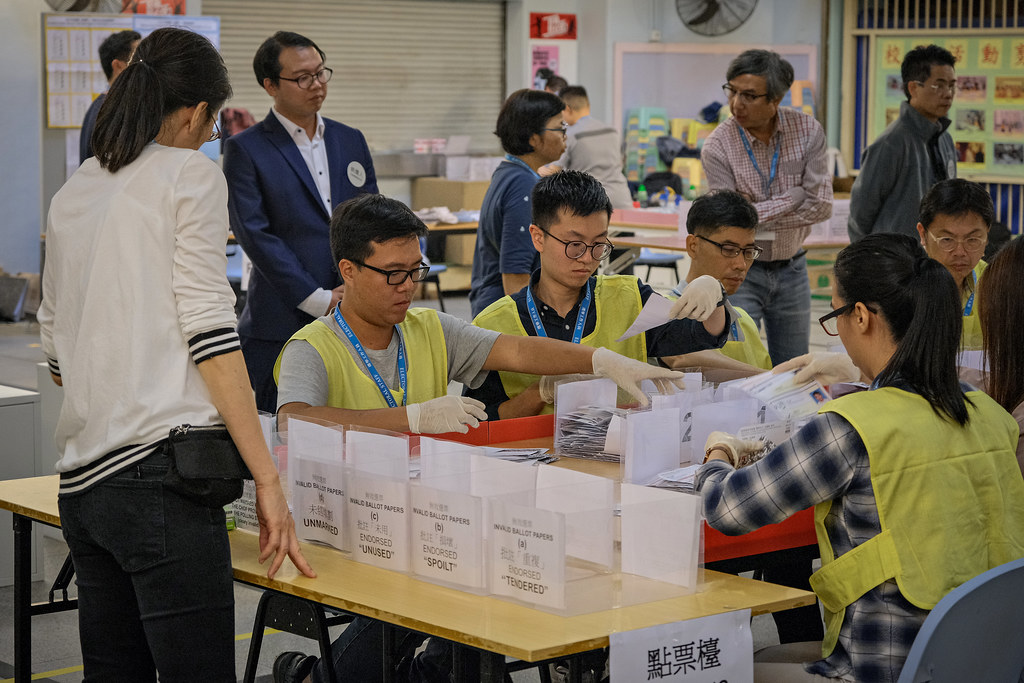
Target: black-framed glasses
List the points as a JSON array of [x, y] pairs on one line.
[[746, 97], [215, 133], [305, 81], [575, 249], [397, 277], [732, 251], [939, 87], [830, 321], [563, 129], [972, 245]]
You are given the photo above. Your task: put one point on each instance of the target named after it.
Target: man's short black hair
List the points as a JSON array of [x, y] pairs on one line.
[[267, 62], [116, 46], [574, 96], [917, 64], [526, 112], [719, 209], [957, 197], [578, 193], [370, 218]]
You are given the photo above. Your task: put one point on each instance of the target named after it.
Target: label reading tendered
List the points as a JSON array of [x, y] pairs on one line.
[[527, 554]]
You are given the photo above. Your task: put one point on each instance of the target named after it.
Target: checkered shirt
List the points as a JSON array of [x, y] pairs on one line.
[[826, 460], [799, 196]]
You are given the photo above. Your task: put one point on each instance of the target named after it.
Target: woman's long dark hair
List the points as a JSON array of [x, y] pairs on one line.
[[171, 68], [918, 299], [1001, 309]]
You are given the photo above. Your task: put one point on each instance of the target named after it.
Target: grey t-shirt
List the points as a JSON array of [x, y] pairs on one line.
[[594, 147], [303, 377]]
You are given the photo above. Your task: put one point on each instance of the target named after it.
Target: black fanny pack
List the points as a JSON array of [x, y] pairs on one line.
[[206, 466]]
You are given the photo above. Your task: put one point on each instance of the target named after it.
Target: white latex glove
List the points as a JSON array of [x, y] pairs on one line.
[[738, 450], [548, 382], [827, 368], [445, 414], [699, 299], [629, 373]]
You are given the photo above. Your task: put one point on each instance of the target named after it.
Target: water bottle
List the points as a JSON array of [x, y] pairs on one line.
[[641, 196]]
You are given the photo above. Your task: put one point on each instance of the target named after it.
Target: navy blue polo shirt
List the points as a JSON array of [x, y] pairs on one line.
[[503, 243]]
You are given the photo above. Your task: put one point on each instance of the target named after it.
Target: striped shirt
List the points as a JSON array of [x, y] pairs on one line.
[[800, 193]]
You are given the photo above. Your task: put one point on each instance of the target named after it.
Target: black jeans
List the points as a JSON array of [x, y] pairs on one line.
[[154, 581]]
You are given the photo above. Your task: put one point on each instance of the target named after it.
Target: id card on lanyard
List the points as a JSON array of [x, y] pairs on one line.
[[773, 169], [969, 306], [374, 375], [581, 319]]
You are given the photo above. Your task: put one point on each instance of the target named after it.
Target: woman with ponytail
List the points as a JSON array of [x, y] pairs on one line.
[[880, 467], [137, 324]]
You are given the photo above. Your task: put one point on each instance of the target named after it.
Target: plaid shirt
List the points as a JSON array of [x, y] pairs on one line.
[[801, 192], [826, 460]]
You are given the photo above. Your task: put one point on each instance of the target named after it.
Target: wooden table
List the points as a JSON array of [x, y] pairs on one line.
[[495, 628]]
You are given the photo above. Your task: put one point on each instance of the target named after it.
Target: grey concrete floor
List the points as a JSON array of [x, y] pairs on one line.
[[55, 651]]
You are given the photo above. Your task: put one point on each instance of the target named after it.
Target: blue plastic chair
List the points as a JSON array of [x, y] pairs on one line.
[[975, 633], [653, 259]]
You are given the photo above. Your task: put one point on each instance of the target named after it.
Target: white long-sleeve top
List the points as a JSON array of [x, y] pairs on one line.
[[135, 294]]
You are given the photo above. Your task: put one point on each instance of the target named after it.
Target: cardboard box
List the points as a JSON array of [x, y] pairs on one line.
[[455, 194]]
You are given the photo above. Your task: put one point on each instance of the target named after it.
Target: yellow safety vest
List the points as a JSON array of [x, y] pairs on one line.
[[617, 302], [950, 501], [351, 388], [971, 338], [749, 349]]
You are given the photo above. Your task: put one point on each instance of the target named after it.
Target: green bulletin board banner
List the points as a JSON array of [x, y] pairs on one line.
[[988, 109]]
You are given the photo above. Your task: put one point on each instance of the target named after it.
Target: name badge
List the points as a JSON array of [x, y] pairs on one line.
[[356, 174]]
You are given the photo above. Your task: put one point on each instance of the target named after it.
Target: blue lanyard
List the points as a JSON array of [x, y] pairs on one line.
[[735, 332], [774, 166], [517, 160], [581, 319], [969, 306], [374, 375]]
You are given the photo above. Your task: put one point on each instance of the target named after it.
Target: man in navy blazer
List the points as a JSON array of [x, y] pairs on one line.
[[285, 176]]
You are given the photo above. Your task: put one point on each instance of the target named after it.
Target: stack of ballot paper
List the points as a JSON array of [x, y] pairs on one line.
[[583, 433], [782, 394], [537, 455]]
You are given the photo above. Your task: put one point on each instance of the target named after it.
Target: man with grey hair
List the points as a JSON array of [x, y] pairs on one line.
[[775, 157]]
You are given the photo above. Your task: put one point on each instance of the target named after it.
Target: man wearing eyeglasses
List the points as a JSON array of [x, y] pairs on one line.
[[913, 153], [285, 176], [775, 157], [956, 215], [722, 243], [566, 301]]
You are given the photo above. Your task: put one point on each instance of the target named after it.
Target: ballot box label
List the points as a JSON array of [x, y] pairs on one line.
[[447, 536], [527, 554], [378, 509]]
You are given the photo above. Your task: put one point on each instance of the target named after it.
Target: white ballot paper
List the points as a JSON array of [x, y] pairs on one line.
[[706, 650], [782, 394], [654, 313]]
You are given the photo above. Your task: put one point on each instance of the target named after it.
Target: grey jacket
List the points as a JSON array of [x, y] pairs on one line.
[[895, 173]]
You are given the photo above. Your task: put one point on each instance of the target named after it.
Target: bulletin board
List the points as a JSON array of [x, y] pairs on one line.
[[71, 42], [988, 109]]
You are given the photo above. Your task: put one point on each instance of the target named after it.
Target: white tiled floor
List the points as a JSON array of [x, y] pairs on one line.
[[55, 637]]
